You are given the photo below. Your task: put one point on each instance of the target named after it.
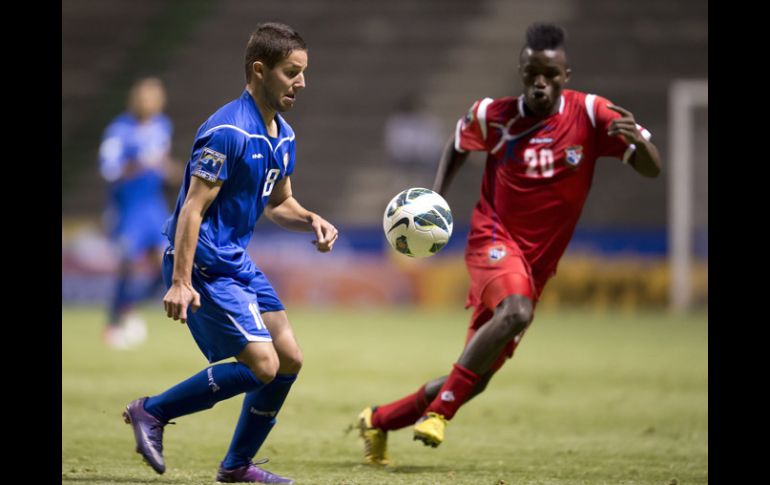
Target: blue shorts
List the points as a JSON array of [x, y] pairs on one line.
[[139, 231], [230, 313]]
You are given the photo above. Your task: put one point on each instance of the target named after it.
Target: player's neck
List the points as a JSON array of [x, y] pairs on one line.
[[271, 126], [541, 116], [268, 115], [142, 119]]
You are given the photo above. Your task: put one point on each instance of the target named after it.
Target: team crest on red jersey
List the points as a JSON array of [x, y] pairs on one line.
[[497, 253], [574, 154]]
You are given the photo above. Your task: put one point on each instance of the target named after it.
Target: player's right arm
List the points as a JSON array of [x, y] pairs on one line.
[[181, 294], [448, 166], [470, 134], [619, 136], [215, 158]]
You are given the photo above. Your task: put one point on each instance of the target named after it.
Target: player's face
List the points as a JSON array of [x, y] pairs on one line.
[[543, 75], [282, 83], [147, 99]]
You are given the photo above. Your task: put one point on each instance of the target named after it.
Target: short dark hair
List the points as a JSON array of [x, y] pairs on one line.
[[270, 43], [542, 36]]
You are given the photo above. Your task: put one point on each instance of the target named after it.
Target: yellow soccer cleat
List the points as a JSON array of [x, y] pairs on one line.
[[430, 429], [375, 439]]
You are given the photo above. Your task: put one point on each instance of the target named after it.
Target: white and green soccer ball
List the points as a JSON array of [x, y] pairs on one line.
[[417, 222]]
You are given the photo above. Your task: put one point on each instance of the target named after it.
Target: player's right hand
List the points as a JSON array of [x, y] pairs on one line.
[[326, 234], [178, 298]]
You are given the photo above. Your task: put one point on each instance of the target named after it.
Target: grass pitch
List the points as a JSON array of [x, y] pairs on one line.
[[587, 399]]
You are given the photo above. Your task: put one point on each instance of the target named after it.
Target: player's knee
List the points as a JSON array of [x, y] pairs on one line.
[[265, 368], [265, 373], [515, 317], [292, 362]]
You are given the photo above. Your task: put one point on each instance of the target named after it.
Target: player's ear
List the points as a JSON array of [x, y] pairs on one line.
[[258, 69], [567, 73]]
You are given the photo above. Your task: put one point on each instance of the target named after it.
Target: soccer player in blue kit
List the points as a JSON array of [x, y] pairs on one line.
[[134, 159], [241, 163]]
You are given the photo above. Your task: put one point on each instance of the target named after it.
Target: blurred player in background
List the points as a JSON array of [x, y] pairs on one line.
[[241, 163], [542, 148], [413, 140], [134, 160]]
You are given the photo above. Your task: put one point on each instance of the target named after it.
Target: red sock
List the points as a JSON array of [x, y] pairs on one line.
[[455, 391], [401, 413]]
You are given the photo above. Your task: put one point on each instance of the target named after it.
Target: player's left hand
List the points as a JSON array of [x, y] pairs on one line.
[[625, 126], [325, 234]]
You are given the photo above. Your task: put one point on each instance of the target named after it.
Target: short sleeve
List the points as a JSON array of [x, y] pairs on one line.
[[472, 130], [601, 117], [217, 153]]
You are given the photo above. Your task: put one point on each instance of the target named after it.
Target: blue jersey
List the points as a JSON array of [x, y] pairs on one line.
[[233, 147], [143, 145]]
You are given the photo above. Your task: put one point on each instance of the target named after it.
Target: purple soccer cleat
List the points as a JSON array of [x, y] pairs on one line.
[[250, 473], [148, 432]]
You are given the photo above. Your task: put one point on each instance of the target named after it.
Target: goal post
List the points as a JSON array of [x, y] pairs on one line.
[[685, 96]]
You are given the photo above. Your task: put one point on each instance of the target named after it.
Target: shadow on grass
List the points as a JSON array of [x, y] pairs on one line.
[[120, 479], [420, 469], [357, 465]]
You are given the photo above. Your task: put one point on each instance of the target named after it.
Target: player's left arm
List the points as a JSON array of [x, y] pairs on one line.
[[645, 159], [283, 209]]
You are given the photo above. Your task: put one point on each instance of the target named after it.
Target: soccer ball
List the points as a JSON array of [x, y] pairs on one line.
[[417, 222]]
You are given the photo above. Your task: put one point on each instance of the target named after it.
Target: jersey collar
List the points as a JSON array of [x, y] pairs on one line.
[[523, 113], [258, 115]]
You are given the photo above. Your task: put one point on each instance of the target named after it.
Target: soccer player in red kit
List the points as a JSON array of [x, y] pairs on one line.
[[542, 148]]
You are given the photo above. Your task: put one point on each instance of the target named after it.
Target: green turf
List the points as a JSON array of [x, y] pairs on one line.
[[588, 399]]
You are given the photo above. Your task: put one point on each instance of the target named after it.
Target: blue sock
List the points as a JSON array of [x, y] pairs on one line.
[[120, 299], [202, 391], [257, 419]]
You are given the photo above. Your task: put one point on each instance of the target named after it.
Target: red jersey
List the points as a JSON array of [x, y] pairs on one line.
[[538, 172]]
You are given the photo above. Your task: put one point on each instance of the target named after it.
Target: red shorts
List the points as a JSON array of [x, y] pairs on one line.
[[497, 271]]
